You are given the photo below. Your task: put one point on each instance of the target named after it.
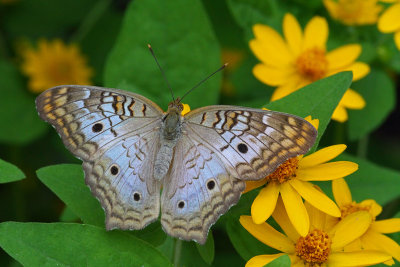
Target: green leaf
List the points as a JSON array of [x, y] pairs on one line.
[[68, 215], [207, 250], [318, 99], [187, 54], [282, 261], [245, 244], [68, 183], [379, 93], [18, 115], [62, 244], [370, 181], [9, 172]]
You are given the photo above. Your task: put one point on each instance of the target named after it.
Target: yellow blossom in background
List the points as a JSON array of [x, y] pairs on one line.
[[354, 12], [389, 21], [374, 237], [291, 182], [301, 58], [321, 246], [54, 63]]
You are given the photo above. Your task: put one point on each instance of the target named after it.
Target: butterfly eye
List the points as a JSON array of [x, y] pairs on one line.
[[97, 127], [242, 148], [136, 196], [114, 170], [181, 204], [210, 184]]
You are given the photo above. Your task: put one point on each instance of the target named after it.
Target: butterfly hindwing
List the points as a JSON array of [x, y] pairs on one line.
[[252, 143], [197, 191]]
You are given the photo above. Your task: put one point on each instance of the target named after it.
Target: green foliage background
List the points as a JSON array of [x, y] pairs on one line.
[[50, 218]]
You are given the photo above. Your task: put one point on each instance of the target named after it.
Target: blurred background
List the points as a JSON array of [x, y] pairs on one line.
[[86, 31]]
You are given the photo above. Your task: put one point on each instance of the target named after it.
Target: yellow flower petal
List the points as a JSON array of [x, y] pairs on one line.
[[343, 56], [264, 204], [267, 234], [340, 114], [317, 217], [261, 260], [281, 217], [286, 89], [293, 33], [316, 33], [389, 21], [295, 209], [352, 100], [387, 226], [341, 192], [374, 208], [359, 69], [186, 109], [250, 185], [321, 156], [385, 243], [273, 45], [357, 258], [327, 171], [272, 76], [397, 39], [316, 198], [314, 122], [348, 229]]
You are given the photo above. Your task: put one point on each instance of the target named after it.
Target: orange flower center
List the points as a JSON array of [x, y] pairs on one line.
[[312, 63], [285, 171], [314, 248], [351, 208]]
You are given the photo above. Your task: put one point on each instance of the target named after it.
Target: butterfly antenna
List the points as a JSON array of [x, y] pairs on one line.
[[205, 79], [162, 71]]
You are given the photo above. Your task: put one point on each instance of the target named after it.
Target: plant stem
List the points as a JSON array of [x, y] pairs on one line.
[[177, 252], [362, 147]]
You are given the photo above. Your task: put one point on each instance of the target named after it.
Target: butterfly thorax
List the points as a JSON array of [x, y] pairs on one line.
[[169, 135]]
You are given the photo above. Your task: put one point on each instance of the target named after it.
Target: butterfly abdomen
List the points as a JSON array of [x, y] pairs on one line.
[[163, 158]]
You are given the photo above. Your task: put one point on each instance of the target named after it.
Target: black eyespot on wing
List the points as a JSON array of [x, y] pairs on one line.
[[242, 148], [136, 196], [114, 170], [181, 204], [97, 127], [210, 184]]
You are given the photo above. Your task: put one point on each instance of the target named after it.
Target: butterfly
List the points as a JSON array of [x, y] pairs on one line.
[[138, 159]]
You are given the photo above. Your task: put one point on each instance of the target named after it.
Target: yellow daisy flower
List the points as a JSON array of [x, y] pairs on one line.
[[321, 246], [374, 237], [389, 21], [54, 63], [291, 181], [354, 12], [302, 58]]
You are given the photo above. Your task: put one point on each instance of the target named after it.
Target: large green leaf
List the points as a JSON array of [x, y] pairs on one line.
[[318, 99], [185, 45], [62, 244], [19, 121], [68, 183], [379, 93], [9, 172]]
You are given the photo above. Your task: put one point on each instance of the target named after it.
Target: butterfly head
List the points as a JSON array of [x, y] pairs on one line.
[[172, 119]]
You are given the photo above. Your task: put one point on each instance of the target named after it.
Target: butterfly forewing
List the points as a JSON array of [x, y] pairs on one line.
[[251, 142]]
